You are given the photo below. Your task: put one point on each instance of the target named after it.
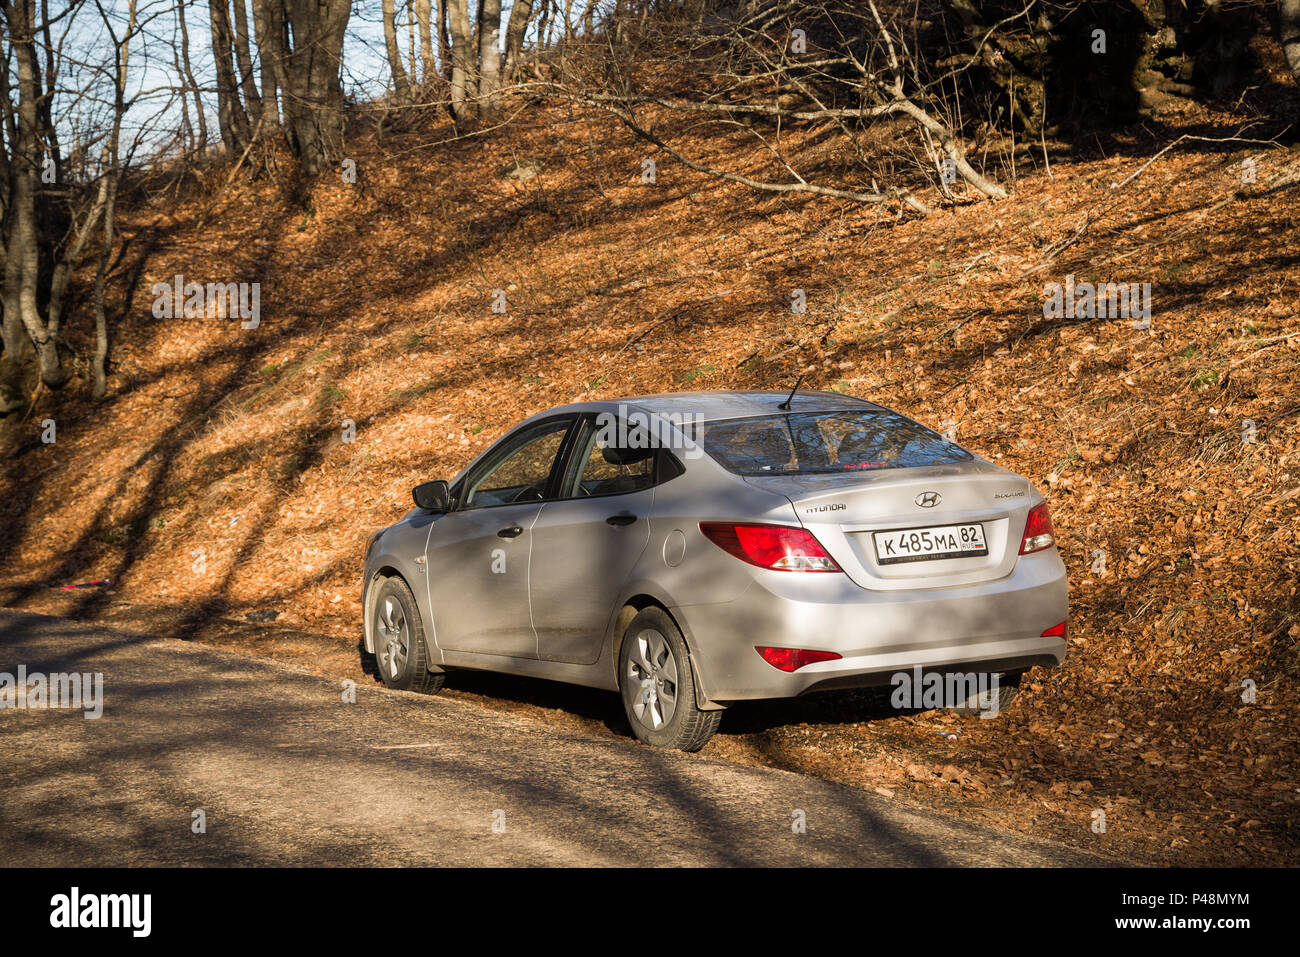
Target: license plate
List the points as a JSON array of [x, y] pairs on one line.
[[930, 544]]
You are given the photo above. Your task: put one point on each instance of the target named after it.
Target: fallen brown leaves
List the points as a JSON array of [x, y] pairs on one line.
[[225, 446]]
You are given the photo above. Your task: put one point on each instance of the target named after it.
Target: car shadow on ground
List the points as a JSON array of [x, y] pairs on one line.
[[592, 705]]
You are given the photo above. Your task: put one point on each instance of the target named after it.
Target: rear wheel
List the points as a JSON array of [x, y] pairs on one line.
[[399, 640], [658, 686]]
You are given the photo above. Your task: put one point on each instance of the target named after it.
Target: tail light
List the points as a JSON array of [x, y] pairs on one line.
[[781, 548], [1057, 631], [792, 659], [1038, 531]]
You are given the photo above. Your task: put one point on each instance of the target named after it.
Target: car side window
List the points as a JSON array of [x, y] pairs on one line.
[[600, 467], [521, 471]]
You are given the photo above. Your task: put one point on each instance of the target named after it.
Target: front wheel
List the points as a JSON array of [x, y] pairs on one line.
[[399, 640], [658, 686]]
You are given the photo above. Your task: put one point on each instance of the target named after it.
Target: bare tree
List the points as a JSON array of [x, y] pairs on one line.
[[401, 82], [423, 16], [520, 14], [464, 77], [412, 70], [50, 209], [313, 90], [479, 68], [244, 58], [235, 131], [107, 197], [489, 53], [269, 24], [22, 311], [187, 75], [544, 25], [444, 40], [769, 65]]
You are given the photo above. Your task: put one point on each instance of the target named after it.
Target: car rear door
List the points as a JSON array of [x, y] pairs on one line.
[[588, 541], [478, 554]]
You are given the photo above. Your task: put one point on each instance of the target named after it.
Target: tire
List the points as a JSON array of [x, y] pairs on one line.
[[658, 686], [1008, 685], [400, 652]]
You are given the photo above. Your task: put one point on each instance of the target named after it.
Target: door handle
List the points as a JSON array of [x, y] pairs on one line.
[[623, 519], [511, 532]]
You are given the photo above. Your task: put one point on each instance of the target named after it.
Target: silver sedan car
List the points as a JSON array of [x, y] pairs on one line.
[[693, 550]]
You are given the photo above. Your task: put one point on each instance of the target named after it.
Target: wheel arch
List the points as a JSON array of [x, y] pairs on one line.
[[382, 573], [632, 606], [370, 592]]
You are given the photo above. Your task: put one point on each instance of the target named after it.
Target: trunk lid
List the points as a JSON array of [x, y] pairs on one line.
[[845, 510]]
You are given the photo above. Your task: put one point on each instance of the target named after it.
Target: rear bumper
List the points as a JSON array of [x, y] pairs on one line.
[[990, 627]]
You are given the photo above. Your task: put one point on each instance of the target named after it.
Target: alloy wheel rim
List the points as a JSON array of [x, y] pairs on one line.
[[393, 643], [651, 679]]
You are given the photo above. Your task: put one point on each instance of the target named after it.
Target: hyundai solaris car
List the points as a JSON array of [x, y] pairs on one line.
[[695, 550]]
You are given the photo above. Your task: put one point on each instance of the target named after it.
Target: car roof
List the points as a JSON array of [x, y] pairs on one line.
[[706, 406]]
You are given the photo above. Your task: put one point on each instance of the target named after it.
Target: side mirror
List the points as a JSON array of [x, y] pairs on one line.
[[432, 496]]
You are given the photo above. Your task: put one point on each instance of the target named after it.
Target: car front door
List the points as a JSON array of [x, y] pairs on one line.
[[586, 543], [478, 554]]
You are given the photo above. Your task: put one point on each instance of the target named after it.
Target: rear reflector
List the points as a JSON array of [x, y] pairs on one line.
[[792, 659], [1057, 631], [1038, 530], [781, 548]]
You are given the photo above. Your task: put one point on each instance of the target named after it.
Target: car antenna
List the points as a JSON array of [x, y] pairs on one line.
[[785, 406]]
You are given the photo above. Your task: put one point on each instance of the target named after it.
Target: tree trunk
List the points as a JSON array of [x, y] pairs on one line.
[[411, 69], [401, 83], [568, 19], [444, 41], [17, 344], [462, 59], [108, 201], [49, 129], [185, 135], [489, 54], [230, 112], [314, 92], [243, 56], [22, 268], [515, 28], [189, 76], [1288, 22], [423, 15], [269, 22], [544, 26]]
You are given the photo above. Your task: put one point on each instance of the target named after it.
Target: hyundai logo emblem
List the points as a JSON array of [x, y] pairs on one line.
[[928, 499]]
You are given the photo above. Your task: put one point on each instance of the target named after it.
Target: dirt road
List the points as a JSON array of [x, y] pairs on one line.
[[285, 771]]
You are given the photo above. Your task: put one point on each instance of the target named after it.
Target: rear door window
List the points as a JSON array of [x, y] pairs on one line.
[[599, 467]]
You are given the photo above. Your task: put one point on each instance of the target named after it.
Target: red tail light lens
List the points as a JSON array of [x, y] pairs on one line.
[[781, 548], [1057, 631], [1038, 531], [792, 659]]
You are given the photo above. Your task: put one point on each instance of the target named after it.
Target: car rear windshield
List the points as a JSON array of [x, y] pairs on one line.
[[801, 443]]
